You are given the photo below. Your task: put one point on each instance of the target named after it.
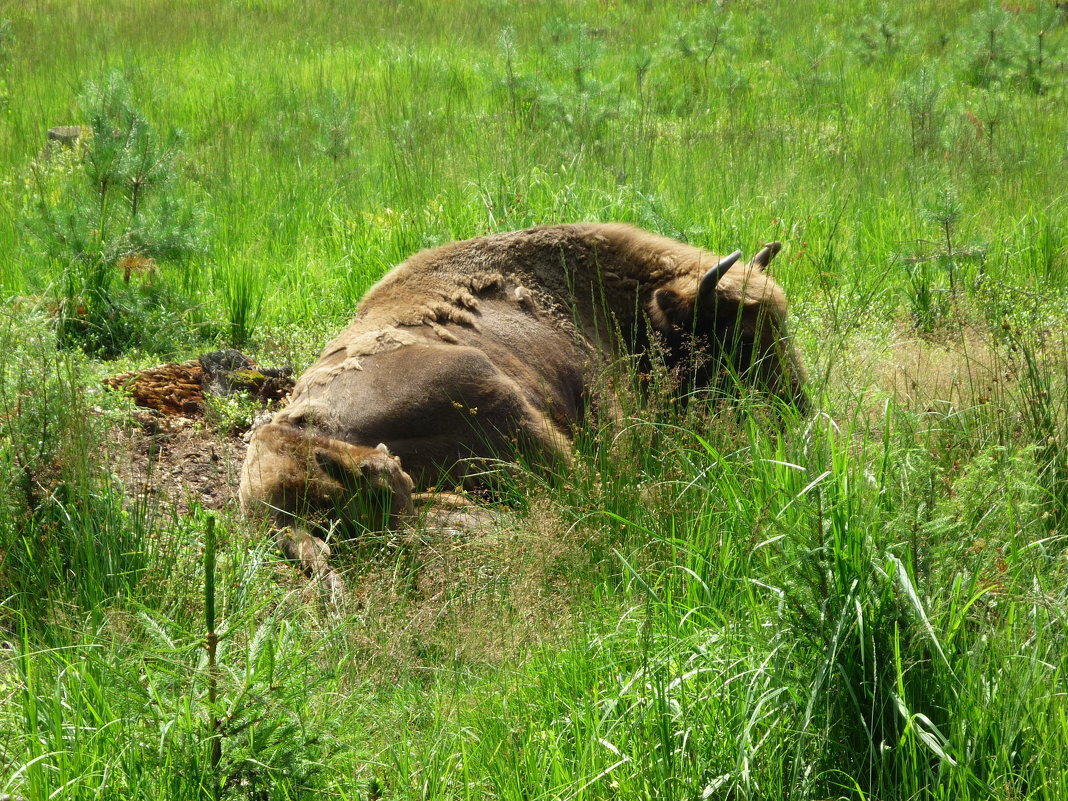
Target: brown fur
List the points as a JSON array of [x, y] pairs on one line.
[[489, 348]]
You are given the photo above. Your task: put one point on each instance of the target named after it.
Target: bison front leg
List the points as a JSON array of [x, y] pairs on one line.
[[305, 482], [313, 556]]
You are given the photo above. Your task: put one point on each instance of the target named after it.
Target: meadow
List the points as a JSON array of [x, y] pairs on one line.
[[869, 602]]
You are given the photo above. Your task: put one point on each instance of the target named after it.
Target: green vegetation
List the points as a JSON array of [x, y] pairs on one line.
[[870, 603], [106, 204]]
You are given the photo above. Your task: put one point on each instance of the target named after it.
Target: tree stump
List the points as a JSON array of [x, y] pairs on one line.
[[66, 135]]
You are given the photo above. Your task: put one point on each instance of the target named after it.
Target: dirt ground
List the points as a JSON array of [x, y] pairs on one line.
[[180, 462], [171, 449]]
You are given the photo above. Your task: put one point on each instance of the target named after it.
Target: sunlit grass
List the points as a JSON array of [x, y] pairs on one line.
[[714, 602]]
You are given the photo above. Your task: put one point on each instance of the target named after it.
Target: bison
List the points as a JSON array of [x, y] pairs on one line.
[[490, 348]]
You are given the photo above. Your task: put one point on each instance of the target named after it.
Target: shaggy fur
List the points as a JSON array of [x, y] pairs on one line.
[[489, 348]]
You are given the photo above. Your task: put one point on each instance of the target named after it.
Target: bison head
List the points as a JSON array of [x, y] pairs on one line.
[[728, 323], [304, 479]]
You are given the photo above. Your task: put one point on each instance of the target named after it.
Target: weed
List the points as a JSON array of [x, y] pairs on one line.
[[106, 203], [928, 303], [990, 61], [1008, 50], [1042, 242], [64, 514], [931, 297], [944, 210], [512, 82], [7, 46], [243, 296], [922, 97], [700, 39], [335, 127], [881, 35], [94, 728], [232, 413], [1043, 382]]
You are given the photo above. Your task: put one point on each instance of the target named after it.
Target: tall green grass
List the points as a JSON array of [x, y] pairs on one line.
[[714, 601], [69, 535], [729, 126]]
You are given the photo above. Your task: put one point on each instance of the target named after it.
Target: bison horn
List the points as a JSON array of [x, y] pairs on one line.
[[711, 278], [770, 251]]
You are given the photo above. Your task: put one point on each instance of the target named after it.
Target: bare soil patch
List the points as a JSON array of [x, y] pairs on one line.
[[173, 454], [178, 462]]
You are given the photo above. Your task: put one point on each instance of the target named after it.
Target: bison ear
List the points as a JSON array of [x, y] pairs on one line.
[[764, 257], [674, 309], [711, 278], [337, 466], [381, 446]]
